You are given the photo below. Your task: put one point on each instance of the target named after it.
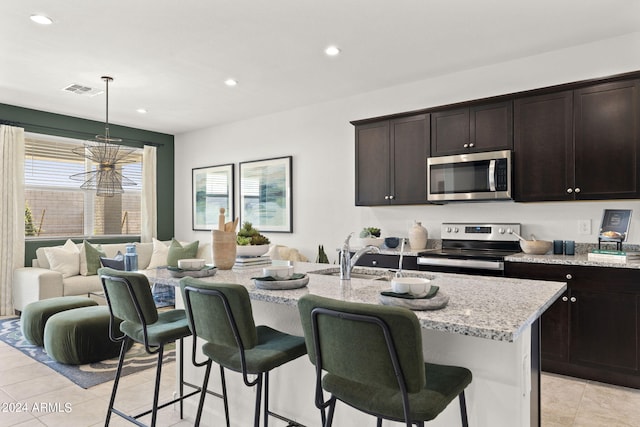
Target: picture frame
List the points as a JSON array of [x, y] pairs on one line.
[[615, 225], [266, 194], [212, 188]]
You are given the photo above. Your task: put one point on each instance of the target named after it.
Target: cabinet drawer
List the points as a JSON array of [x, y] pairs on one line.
[[388, 261]]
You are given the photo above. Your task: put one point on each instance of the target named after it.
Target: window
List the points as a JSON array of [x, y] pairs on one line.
[[55, 204]]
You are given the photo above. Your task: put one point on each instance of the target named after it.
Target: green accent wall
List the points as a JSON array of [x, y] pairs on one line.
[[73, 127]]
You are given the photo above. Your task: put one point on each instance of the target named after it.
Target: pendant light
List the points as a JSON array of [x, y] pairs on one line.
[[107, 154]]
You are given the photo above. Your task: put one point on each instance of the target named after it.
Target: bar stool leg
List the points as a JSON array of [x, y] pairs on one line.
[[203, 393], [224, 395], [266, 399], [256, 420], [116, 381], [156, 392], [463, 410]]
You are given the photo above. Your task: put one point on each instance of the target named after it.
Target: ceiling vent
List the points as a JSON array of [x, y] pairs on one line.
[[82, 90]]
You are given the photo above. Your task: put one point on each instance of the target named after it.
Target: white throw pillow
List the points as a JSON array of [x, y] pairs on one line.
[[159, 254], [65, 259]]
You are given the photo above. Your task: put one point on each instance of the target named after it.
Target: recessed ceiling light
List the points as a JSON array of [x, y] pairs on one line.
[[231, 82], [332, 51], [41, 19], [142, 110]]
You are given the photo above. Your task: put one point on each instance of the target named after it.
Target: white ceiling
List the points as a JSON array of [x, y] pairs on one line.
[[172, 56]]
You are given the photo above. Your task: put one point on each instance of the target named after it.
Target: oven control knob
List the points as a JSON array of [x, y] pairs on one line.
[[455, 229], [501, 230], [448, 229]]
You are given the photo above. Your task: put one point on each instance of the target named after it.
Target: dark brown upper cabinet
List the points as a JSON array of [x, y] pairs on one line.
[[578, 145], [486, 127], [391, 161]]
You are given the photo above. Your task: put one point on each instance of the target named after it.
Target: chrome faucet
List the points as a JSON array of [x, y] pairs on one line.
[[347, 262]]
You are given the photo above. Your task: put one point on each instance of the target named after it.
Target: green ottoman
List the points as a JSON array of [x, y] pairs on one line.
[[80, 336], [35, 315]]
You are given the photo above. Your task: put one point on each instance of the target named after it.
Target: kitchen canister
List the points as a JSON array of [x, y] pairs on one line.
[[224, 249], [418, 236]]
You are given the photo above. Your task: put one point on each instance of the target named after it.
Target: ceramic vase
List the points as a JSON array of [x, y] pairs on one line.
[[418, 236], [224, 249]]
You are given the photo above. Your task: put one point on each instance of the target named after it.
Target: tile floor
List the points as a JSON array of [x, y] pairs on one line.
[[565, 401]]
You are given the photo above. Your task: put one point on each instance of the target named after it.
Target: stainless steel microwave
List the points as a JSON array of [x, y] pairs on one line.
[[474, 176]]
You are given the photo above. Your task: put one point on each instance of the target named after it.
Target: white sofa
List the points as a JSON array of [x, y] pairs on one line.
[[40, 281]]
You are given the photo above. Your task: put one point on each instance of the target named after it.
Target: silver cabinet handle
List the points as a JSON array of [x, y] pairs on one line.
[[577, 190], [386, 197], [472, 144], [374, 262], [573, 299], [392, 197], [569, 277], [569, 190], [466, 145], [565, 299]]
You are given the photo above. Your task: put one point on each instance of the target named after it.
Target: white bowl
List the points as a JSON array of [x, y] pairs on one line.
[[411, 285], [361, 242], [191, 263], [251, 250], [535, 247], [282, 272]]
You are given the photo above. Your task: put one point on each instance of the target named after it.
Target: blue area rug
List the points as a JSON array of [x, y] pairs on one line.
[[89, 375]]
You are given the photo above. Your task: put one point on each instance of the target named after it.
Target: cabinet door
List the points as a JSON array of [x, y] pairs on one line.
[[604, 319], [606, 141], [554, 322], [409, 152], [491, 127], [555, 331], [450, 132], [543, 147], [372, 164]]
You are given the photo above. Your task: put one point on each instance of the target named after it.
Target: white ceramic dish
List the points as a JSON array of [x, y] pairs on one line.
[[282, 284], [535, 247], [361, 242], [251, 250], [191, 263], [410, 285], [281, 272]]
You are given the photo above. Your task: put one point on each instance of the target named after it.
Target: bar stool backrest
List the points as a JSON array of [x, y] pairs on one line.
[[359, 342], [129, 296], [209, 315]]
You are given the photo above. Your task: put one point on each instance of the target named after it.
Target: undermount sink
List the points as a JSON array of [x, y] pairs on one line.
[[357, 273]]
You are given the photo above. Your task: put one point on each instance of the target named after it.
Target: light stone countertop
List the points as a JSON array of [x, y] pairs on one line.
[[494, 308], [578, 259]]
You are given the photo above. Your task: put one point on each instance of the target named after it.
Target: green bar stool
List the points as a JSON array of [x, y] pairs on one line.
[[221, 315], [129, 298], [395, 383]]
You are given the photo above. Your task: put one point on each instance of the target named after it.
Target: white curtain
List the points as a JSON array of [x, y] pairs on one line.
[[11, 211], [149, 210]]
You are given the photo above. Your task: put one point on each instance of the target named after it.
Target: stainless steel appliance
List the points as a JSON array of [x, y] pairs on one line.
[[472, 248], [474, 176]]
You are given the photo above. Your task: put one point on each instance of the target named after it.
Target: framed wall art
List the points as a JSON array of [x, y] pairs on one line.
[[265, 194], [212, 189]]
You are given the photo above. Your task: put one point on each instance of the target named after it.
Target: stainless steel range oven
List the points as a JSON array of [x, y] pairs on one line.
[[472, 248]]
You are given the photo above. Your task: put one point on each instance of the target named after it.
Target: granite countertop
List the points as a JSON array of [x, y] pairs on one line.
[[578, 259], [494, 308]]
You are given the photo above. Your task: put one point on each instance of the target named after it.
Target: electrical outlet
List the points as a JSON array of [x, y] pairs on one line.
[[584, 226]]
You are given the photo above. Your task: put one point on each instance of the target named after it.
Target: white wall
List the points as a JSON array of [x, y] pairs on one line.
[[321, 141]]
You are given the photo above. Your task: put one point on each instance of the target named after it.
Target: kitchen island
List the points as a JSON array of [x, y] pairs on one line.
[[489, 326]]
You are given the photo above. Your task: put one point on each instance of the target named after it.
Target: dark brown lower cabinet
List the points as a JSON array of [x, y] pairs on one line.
[[388, 261], [592, 331]]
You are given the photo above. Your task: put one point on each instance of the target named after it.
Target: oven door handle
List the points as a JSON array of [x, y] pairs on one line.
[[492, 175], [464, 263]]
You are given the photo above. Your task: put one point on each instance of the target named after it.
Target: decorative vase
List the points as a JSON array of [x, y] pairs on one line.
[[418, 236], [224, 249]]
